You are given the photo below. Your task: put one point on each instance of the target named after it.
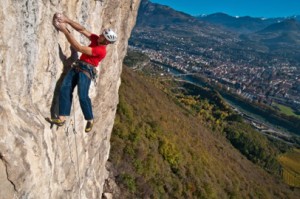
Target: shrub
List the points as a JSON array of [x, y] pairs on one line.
[[169, 153], [128, 181]]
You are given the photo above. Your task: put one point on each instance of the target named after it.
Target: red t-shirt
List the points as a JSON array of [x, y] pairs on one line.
[[98, 52]]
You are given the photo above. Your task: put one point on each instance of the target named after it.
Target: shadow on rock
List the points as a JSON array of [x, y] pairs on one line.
[[67, 63]]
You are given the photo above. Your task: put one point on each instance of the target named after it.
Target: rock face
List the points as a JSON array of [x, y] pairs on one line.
[[37, 161]]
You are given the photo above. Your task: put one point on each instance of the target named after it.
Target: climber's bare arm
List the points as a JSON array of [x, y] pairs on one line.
[[64, 19], [74, 43]]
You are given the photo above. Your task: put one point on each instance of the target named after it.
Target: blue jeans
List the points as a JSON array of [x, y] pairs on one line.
[[72, 79]]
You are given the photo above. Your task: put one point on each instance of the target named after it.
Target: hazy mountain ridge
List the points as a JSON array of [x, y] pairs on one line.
[[243, 24], [283, 26], [164, 18], [271, 34], [281, 37], [160, 12]]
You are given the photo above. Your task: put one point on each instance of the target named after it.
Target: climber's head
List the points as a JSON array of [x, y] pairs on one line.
[[107, 37]]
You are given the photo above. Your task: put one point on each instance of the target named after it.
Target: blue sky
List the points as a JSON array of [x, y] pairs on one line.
[[254, 8]]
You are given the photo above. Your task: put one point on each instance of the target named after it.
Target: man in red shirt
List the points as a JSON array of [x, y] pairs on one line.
[[83, 70]]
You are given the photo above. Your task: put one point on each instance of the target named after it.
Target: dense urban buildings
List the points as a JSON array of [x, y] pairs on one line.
[[271, 81]]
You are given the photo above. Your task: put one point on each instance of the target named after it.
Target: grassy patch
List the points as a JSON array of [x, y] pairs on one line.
[[286, 110], [291, 167]]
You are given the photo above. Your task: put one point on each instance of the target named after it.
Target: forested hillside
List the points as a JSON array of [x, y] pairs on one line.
[[168, 142]]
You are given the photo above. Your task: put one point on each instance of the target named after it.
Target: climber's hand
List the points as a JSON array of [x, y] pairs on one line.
[[61, 26], [55, 22], [61, 18]]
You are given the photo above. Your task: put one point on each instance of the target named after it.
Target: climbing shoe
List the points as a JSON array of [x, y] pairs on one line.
[[89, 126], [57, 122]]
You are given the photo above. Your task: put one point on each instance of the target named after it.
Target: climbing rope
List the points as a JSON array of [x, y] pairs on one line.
[[67, 133], [67, 127], [75, 132]]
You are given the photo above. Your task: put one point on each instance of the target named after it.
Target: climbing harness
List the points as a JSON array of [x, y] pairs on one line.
[[89, 70]]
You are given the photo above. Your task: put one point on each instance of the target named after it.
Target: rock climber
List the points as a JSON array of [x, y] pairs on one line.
[[82, 71]]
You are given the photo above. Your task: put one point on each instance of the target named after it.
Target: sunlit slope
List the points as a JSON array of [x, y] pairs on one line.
[[159, 150]]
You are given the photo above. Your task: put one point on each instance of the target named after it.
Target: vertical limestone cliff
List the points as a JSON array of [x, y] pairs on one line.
[[35, 160]]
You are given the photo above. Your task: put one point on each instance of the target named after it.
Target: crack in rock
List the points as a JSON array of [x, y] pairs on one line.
[[5, 163]]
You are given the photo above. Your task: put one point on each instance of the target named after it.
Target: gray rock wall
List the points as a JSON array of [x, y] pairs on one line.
[[35, 160]]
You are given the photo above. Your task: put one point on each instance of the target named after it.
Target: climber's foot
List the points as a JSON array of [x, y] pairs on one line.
[[57, 122], [89, 126]]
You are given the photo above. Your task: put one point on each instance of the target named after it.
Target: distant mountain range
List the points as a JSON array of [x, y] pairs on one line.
[[167, 23], [156, 15], [159, 17], [281, 37], [240, 24], [158, 25], [244, 24], [273, 33]]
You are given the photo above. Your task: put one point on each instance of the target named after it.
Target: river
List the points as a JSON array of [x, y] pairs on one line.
[[242, 108]]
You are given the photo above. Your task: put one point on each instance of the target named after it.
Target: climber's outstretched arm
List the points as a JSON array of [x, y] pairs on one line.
[[64, 19], [74, 43]]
